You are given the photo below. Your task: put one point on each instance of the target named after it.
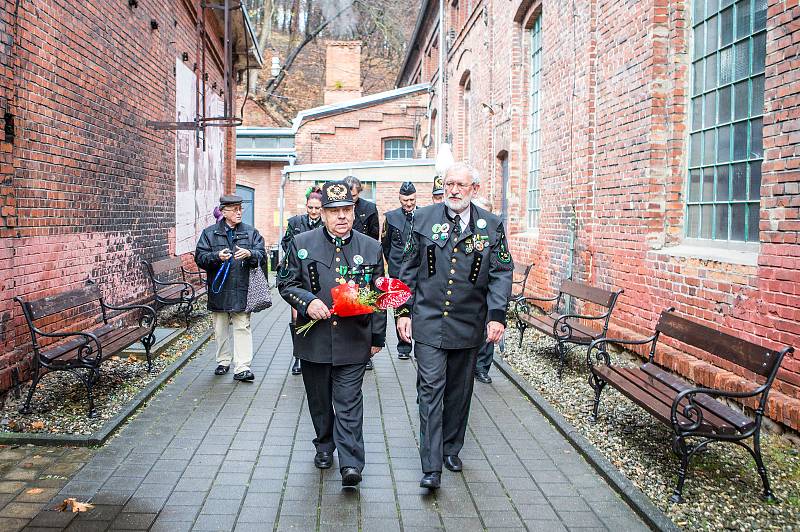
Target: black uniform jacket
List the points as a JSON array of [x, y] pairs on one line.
[[296, 225], [396, 231], [312, 266], [233, 295], [366, 220], [456, 283]]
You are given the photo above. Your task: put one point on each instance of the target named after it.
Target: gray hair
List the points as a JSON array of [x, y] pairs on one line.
[[462, 167], [352, 181]]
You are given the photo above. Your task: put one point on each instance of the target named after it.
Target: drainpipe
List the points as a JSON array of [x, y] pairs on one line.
[[441, 112]]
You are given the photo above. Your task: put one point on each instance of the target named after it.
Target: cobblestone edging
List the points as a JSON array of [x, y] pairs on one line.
[[99, 436], [637, 500]]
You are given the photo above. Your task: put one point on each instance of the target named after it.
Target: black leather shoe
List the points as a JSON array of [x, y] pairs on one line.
[[296, 367], [244, 376], [350, 477], [403, 356], [369, 364], [453, 462], [432, 481], [483, 377], [221, 370], [323, 460]]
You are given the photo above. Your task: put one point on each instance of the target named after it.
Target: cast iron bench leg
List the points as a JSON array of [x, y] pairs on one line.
[[26, 408], [147, 342]]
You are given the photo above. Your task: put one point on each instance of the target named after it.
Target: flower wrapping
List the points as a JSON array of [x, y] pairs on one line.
[[350, 300]]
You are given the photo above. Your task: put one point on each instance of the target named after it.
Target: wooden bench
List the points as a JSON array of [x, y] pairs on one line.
[[521, 279], [83, 349], [692, 412], [564, 327], [167, 290]]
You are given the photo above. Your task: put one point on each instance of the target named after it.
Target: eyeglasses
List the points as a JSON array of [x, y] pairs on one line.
[[238, 208], [453, 184]]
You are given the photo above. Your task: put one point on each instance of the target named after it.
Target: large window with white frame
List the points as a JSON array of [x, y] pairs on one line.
[[534, 141], [725, 146]]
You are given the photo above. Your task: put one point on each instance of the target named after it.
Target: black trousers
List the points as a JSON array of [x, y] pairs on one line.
[[336, 405], [485, 356], [444, 391]]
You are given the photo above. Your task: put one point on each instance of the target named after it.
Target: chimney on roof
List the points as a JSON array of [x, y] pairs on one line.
[[342, 71]]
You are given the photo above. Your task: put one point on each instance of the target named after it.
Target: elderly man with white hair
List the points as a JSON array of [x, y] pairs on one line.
[[459, 269]]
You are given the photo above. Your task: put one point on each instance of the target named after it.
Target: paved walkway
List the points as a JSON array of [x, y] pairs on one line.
[[211, 454]]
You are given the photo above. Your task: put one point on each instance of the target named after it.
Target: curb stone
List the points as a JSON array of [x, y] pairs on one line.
[[99, 436], [638, 501]]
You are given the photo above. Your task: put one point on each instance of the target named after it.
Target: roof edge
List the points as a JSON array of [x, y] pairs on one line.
[[417, 27], [357, 103]]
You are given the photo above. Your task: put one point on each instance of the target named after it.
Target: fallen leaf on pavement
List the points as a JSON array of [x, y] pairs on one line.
[[72, 505]]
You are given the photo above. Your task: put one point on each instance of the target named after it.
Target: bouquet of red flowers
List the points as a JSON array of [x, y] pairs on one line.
[[351, 300]]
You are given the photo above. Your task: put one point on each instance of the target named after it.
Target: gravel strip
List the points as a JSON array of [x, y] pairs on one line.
[[722, 488], [59, 402]]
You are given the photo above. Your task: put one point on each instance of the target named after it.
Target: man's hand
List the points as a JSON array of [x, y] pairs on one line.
[[374, 350], [404, 328], [317, 310], [494, 331], [242, 253], [224, 255]]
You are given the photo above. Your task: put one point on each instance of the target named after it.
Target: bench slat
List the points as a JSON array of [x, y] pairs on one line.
[[648, 398], [50, 305], [165, 265], [596, 295], [545, 324], [757, 359], [667, 395], [107, 334], [737, 419]]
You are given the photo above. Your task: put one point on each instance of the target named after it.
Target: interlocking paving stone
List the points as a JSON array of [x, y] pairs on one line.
[[220, 455]]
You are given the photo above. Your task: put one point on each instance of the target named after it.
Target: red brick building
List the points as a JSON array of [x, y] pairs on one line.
[[371, 137], [88, 188], [652, 146]]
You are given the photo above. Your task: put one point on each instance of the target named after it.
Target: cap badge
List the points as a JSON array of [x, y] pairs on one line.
[[337, 192]]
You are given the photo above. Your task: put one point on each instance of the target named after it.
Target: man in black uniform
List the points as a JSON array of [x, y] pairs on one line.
[[335, 350], [296, 225], [459, 270], [366, 213], [395, 236]]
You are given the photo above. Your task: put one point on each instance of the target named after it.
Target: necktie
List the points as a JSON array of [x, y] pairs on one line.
[[457, 226]]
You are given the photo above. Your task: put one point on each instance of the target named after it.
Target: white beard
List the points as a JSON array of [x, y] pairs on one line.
[[457, 205]]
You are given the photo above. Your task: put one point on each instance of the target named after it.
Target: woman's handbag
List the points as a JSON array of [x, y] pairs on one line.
[[258, 293]]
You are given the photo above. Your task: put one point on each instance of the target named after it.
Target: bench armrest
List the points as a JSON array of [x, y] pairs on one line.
[[602, 354], [562, 329], [199, 273], [693, 412], [554, 298], [146, 319], [84, 350], [186, 291]]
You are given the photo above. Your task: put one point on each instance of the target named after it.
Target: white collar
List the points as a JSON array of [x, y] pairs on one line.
[[464, 215]]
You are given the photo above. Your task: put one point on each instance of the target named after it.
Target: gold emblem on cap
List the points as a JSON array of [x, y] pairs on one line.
[[438, 183], [337, 192]]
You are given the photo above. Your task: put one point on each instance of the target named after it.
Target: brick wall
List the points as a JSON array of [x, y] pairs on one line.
[[614, 92], [87, 188]]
